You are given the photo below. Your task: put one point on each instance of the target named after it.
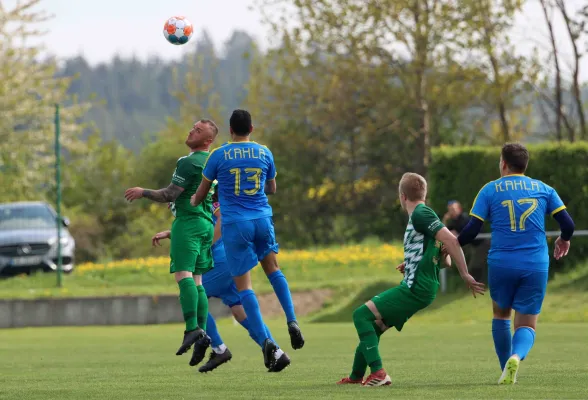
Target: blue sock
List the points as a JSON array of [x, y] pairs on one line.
[[502, 340], [245, 324], [255, 321], [213, 332], [280, 285], [522, 341], [269, 335]]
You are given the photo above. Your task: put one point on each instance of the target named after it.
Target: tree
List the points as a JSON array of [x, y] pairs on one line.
[[575, 27], [234, 69], [94, 195], [487, 26], [409, 43], [196, 96], [28, 92], [547, 8]]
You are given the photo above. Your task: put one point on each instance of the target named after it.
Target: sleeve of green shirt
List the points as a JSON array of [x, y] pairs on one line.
[[425, 221], [185, 173]]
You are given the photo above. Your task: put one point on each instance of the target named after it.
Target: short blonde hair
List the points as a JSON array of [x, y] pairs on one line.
[[212, 125], [413, 186]]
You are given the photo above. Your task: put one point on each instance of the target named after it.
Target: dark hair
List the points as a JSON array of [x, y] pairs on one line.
[[241, 122], [516, 157]]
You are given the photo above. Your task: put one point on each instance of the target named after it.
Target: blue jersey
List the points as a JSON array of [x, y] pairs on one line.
[[516, 206], [241, 170], [221, 268]]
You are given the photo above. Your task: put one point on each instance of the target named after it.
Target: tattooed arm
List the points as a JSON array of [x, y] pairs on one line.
[[165, 195]]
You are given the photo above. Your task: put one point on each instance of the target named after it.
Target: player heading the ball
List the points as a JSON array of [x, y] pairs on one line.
[[191, 235]]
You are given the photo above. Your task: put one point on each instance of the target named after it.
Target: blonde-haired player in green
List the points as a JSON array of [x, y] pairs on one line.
[[191, 235], [423, 238]]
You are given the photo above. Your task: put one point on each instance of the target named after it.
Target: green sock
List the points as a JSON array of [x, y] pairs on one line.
[[364, 319], [202, 307], [189, 302], [359, 362], [359, 365]]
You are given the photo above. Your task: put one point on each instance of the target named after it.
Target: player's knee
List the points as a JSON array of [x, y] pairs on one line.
[[500, 313], [243, 282], [238, 312], [525, 320], [525, 326], [270, 269], [356, 314], [359, 314], [270, 264], [529, 322], [182, 275]]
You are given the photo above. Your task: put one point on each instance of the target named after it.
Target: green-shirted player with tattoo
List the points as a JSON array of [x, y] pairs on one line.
[[422, 262], [191, 235]]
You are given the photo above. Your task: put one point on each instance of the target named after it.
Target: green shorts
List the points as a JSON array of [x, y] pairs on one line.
[[190, 246], [398, 304]]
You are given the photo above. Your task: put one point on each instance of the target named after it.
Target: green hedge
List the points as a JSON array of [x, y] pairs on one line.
[[460, 172]]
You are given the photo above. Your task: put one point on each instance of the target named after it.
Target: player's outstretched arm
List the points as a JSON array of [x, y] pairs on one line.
[[454, 249], [164, 195], [567, 227], [201, 193]]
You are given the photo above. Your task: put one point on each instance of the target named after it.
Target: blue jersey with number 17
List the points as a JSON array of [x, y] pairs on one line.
[[241, 169], [516, 206]]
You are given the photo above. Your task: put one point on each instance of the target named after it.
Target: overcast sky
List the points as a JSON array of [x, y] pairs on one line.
[[99, 29]]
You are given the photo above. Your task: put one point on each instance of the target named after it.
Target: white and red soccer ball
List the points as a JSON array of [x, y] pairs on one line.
[[178, 30]]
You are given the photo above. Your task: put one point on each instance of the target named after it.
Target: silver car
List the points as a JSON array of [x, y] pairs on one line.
[[28, 239]]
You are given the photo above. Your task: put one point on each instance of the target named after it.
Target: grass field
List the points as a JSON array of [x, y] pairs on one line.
[[426, 360], [444, 352]]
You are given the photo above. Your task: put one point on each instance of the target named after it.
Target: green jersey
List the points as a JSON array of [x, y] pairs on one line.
[[188, 175], [422, 252]]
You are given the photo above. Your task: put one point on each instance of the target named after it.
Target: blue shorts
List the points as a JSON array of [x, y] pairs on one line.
[[247, 243], [222, 287], [521, 290]]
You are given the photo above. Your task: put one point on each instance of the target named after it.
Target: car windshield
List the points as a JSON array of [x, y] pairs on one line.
[[26, 217]]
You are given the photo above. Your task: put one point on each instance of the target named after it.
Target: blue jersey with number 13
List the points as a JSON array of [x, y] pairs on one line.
[[516, 206], [241, 169]]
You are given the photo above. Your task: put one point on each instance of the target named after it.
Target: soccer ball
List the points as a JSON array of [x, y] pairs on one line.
[[178, 30]]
